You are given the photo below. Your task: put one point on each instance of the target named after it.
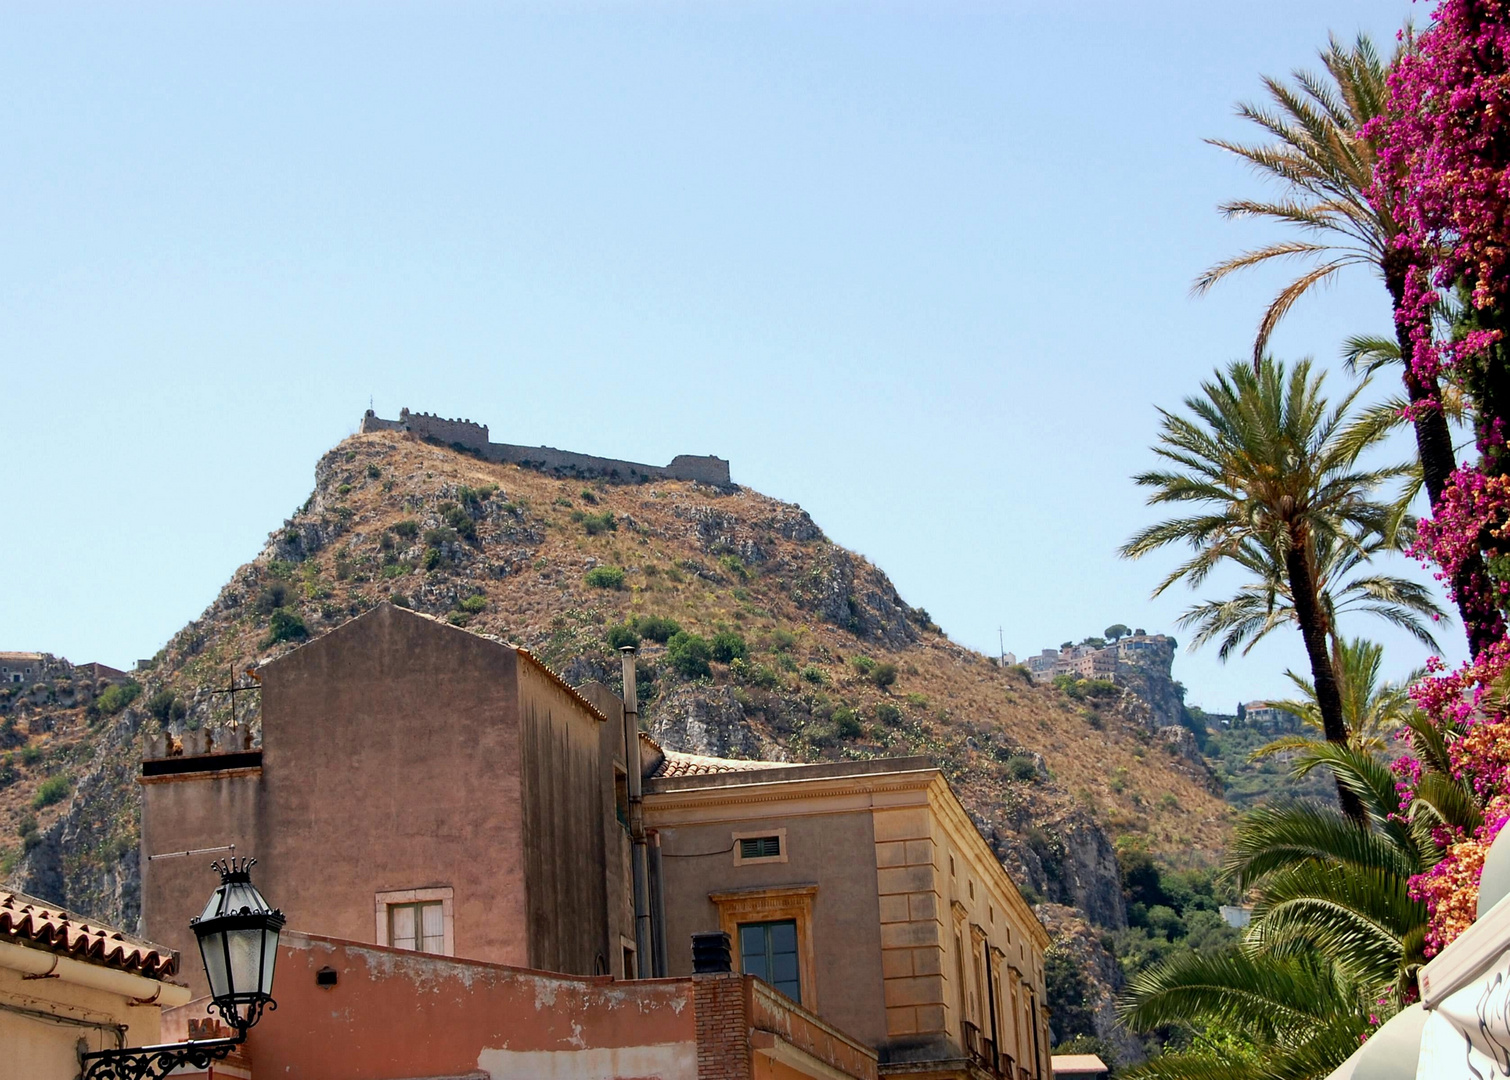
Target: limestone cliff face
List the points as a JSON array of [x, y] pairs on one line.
[[1079, 944], [837, 665]]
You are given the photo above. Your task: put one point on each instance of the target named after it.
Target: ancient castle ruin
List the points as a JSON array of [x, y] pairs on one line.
[[472, 437]]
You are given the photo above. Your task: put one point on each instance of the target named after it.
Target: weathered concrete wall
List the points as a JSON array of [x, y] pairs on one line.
[[561, 772], [706, 469], [616, 842], [390, 761], [397, 1014]]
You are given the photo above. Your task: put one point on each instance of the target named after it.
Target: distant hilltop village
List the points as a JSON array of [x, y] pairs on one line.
[[466, 435], [1107, 661]]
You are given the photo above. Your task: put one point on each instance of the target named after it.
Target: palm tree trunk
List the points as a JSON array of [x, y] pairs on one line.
[[1323, 674], [1438, 461]]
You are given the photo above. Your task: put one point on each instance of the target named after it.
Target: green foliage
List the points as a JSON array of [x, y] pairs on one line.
[[605, 577], [1116, 631], [271, 597], [30, 835], [1086, 689], [657, 628], [622, 635], [883, 675], [815, 675], [473, 605], [373, 472], [1023, 768], [32, 753], [597, 524], [689, 655], [432, 558], [286, 626], [52, 790], [116, 697], [735, 566], [864, 665], [759, 675], [888, 714], [1068, 994], [166, 706], [727, 646], [459, 520], [408, 528], [847, 723]]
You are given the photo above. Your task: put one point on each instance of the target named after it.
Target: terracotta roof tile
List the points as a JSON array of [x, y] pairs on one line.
[[26, 919], [675, 763]]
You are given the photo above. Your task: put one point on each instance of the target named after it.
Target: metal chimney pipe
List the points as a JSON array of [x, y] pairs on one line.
[[644, 949]]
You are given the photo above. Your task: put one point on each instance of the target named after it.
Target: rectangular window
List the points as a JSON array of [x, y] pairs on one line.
[[768, 950], [419, 927], [760, 847]]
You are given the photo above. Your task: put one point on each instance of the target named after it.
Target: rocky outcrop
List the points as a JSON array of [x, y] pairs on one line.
[[852, 594], [87, 860], [709, 720], [1084, 981]]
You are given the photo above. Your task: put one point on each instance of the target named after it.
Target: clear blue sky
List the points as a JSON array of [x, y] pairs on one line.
[[922, 268]]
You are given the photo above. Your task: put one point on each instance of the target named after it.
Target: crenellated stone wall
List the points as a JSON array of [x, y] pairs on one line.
[[704, 469]]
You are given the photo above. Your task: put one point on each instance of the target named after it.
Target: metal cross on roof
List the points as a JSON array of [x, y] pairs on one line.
[[232, 689]]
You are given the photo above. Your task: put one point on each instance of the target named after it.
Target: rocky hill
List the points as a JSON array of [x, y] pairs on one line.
[[759, 638]]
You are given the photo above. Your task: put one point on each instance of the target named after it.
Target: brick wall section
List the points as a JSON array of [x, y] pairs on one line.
[[912, 930], [721, 1006]]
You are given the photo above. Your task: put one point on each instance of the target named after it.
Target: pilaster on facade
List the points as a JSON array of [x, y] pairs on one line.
[[912, 938]]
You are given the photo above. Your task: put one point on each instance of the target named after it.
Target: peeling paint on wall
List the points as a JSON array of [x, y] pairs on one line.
[[666, 1061]]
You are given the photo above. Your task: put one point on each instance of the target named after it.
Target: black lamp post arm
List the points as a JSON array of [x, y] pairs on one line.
[[155, 1062]]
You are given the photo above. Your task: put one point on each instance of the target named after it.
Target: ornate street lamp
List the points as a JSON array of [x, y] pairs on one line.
[[238, 941]]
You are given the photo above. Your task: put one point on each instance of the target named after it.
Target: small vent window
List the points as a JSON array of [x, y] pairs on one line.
[[760, 847]]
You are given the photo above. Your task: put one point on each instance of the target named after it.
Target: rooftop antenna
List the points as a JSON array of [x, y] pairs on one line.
[[1001, 644]]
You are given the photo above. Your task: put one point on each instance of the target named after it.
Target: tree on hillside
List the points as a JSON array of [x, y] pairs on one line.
[[1374, 710], [1323, 151], [1269, 468], [1115, 632]]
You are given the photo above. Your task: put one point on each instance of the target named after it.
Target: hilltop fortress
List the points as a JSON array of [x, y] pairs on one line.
[[472, 437]]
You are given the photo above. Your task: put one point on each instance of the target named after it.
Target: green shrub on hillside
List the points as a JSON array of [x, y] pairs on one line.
[[605, 577], [815, 675], [116, 697], [473, 605], [759, 675], [883, 675], [657, 628], [689, 655], [888, 714], [847, 723], [286, 626], [728, 647], [31, 754], [53, 790], [1022, 767], [597, 524], [460, 520], [622, 635], [862, 664], [272, 597], [408, 528], [166, 706]]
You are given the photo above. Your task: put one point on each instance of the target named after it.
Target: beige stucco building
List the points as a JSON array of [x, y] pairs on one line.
[[418, 786], [67, 985]]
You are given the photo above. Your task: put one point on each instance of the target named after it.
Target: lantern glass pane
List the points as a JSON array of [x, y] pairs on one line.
[[269, 959], [246, 959], [212, 948]]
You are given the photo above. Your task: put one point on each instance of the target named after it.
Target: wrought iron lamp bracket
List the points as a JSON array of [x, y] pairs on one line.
[[155, 1062]]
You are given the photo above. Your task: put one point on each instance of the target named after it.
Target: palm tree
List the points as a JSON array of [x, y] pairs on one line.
[[1263, 604], [1373, 710], [1279, 1017], [1273, 474], [1325, 165]]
